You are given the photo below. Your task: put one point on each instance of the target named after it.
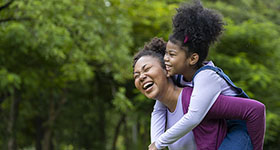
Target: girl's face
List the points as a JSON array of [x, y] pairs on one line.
[[176, 60], [149, 76]]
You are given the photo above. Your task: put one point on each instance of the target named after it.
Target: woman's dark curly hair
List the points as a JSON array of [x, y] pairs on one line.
[[202, 27], [155, 48]]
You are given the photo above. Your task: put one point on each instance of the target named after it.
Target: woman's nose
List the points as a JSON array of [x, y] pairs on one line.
[[142, 77]]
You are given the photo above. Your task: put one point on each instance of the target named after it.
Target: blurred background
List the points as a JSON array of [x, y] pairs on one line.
[[66, 77]]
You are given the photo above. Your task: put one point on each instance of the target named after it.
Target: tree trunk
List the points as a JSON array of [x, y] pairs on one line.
[[39, 132], [12, 122], [126, 136], [47, 140], [135, 133], [48, 129], [117, 131], [102, 127], [53, 113]]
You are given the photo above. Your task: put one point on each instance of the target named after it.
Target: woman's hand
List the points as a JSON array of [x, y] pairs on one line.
[[153, 146]]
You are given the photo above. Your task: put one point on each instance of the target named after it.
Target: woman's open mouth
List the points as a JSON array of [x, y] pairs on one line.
[[148, 86]]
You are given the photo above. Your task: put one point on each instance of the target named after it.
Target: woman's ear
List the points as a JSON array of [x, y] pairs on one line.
[[194, 59]]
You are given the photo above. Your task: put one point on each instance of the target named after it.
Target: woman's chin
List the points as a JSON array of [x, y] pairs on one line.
[[151, 95]]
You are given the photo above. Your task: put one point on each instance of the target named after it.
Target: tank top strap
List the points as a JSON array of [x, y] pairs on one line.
[[186, 96]]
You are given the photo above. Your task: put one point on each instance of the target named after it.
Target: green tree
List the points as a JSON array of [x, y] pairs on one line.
[[66, 77], [45, 60]]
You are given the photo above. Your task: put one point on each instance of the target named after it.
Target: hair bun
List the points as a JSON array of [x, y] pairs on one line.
[[157, 45]]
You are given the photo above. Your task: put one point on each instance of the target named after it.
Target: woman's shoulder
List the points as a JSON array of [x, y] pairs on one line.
[[187, 92]]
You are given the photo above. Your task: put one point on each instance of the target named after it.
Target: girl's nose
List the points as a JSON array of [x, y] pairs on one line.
[[166, 57]]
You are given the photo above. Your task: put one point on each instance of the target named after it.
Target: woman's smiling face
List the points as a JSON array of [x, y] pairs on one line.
[[149, 76]]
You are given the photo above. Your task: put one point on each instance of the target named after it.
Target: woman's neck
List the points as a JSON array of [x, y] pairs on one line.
[[169, 96]]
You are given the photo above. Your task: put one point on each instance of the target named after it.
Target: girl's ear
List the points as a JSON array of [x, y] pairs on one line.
[[194, 59]]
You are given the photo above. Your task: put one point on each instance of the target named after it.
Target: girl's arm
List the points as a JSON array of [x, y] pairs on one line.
[[158, 120], [207, 87], [227, 107]]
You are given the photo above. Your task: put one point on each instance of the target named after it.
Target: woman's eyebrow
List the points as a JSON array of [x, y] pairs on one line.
[[142, 68]]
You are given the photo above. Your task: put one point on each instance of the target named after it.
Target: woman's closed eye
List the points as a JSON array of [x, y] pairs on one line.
[[136, 75], [147, 69], [144, 70]]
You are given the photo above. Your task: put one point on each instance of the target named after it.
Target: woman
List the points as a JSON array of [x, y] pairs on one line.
[[150, 79]]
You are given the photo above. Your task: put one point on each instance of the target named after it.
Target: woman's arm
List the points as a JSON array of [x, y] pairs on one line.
[[227, 107], [158, 120], [207, 87]]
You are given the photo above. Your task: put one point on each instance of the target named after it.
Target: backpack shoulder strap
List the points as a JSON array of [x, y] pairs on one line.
[[220, 72], [177, 80]]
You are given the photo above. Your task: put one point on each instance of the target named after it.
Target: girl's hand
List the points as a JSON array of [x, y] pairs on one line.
[[152, 146]]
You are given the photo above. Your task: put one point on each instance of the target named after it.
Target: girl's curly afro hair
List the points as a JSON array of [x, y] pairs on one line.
[[155, 48], [202, 27]]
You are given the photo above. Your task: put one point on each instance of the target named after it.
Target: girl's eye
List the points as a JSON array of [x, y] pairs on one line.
[[172, 54]]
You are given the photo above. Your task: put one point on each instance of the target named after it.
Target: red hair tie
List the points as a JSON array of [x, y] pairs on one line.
[[186, 39]]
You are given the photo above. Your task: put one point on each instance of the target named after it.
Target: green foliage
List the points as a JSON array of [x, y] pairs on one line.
[[69, 63], [9, 81], [273, 122], [121, 102], [249, 52], [150, 18]]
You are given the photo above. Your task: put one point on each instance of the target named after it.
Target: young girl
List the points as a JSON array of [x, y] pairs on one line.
[[194, 29], [150, 79]]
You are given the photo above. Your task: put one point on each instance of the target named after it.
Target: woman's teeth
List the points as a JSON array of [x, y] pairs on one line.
[[147, 85]]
